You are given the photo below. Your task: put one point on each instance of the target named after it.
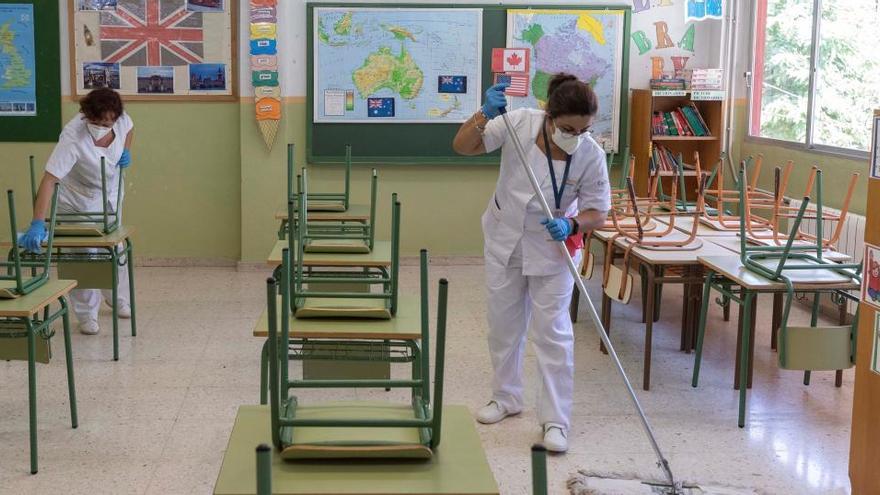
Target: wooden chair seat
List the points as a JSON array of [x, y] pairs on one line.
[[332, 307], [79, 230], [319, 205], [816, 348], [347, 443], [346, 246], [7, 290]]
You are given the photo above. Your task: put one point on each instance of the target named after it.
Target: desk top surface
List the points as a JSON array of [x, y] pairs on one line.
[[105, 241], [732, 268], [380, 256], [458, 467], [354, 213], [24, 306], [734, 245], [406, 324], [685, 224], [670, 256]]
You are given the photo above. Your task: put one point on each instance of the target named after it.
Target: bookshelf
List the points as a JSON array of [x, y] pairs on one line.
[[645, 102]]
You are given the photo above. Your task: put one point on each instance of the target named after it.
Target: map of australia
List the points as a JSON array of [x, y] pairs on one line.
[[377, 64], [17, 62]]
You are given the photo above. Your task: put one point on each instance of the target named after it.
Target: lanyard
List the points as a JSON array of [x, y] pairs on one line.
[[557, 189]]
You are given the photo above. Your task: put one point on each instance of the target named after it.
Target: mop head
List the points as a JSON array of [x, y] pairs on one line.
[[594, 483]]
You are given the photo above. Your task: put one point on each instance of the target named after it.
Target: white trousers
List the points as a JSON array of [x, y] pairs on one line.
[[516, 302], [86, 302]]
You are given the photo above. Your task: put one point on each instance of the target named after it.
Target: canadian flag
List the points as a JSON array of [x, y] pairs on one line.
[[510, 60]]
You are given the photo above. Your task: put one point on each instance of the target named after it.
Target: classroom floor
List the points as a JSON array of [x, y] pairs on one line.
[[157, 421]]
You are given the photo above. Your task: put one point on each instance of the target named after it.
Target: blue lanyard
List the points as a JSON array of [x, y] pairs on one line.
[[557, 189]]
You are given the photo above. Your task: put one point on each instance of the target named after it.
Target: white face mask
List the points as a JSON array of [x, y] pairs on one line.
[[567, 142], [98, 132]]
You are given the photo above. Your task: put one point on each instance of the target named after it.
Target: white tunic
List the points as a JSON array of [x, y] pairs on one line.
[[514, 213], [76, 161]]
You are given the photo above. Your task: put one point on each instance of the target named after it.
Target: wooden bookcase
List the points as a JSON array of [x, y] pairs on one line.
[[644, 104]]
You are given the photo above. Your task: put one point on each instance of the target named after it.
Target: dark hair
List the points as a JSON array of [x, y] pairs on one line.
[[566, 95], [99, 102]]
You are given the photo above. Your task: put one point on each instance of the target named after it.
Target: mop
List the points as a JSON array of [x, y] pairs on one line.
[[599, 483]]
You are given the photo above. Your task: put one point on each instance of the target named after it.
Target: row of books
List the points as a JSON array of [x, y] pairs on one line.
[[663, 159], [683, 121], [669, 83]]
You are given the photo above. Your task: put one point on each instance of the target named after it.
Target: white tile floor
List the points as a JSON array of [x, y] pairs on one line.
[[157, 421]]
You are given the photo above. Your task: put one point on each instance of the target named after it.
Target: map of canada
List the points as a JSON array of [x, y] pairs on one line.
[[17, 62], [587, 44], [364, 57]]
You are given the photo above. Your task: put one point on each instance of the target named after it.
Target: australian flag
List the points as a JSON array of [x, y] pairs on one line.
[[380, 107], [452, 84]]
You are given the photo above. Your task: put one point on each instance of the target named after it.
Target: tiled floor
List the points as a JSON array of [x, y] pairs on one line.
[[157, 421]]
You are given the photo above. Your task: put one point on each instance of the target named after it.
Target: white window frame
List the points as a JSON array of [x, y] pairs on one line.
[[808, 144]]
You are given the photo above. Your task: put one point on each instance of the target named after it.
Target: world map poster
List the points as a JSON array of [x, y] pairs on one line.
[[18, 87], [382, 65], [585, 43]]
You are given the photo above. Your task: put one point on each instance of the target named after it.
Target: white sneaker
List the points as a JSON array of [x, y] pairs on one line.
[[123, 310], [493, 412], [555, 438], [89, 327]]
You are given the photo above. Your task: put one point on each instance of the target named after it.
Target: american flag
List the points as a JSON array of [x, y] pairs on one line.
[[152, 32], [519, 83]]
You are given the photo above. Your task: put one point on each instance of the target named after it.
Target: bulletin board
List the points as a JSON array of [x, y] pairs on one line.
[[30, 97], [425, 143], [155, 49]]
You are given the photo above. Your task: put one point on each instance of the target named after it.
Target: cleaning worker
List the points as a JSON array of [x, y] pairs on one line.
[[527, 280], [100, 129]]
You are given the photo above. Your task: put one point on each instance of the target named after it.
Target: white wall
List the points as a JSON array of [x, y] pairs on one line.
[[292, 39]]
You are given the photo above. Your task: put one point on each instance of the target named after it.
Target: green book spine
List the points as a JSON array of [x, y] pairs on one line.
[[693, 121], [670, 124]]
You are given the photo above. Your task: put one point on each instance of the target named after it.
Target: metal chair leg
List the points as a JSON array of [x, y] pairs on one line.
[[68, 356]]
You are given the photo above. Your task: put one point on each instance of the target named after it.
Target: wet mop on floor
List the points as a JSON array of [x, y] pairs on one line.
[[595, 483]]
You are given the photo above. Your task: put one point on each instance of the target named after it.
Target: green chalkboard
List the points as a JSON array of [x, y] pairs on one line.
[[46, 124], [428, 143]]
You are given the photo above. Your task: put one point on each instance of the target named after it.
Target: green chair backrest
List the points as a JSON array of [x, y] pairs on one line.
[[107, 220], [18, 262]]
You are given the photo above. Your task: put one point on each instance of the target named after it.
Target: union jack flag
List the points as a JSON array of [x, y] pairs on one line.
[[380, 107], [151, 32]]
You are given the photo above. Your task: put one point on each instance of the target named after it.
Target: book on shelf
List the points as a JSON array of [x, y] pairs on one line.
[[668, 84], [682, 121], [663, 160]]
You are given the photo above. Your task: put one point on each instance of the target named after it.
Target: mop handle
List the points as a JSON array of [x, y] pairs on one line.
[[600, 329]]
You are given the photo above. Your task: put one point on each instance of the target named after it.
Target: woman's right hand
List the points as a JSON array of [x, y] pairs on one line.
[[495, 100]]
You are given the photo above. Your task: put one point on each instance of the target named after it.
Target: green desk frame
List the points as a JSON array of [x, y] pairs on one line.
[[20, 320]]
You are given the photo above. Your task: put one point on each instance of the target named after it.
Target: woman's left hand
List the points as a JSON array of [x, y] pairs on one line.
[[125, 159], [559, 228]]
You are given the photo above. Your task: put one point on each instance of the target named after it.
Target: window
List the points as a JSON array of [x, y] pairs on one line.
[[833, 109]]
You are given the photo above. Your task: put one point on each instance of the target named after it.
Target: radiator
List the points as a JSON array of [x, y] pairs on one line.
[[852, 239]]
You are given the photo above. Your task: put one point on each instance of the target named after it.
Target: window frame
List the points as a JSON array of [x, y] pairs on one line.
[[754, 79]]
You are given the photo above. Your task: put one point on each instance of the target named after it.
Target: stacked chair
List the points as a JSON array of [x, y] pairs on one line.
[[806, 348], [354, 429], [26, 317]]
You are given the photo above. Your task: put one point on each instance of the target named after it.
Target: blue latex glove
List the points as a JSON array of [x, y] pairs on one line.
[[125, 159], [495, 100], [33, 238], [559, 228]]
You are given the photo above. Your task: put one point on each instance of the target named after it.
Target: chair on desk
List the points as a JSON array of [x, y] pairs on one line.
[[355, 429], [88, 223], [797, 267], [26, 318], [327, 236], [14, 282], [313, 291], [720, 199]]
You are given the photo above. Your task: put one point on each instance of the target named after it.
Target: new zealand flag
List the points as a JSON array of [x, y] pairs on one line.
[[452, 84], [380, 107]]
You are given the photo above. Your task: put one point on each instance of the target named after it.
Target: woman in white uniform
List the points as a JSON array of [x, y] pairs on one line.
[[527, 279], [100, 129]]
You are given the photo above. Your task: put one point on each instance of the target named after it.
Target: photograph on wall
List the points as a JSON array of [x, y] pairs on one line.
[[97, 4], [204, 5], [169, 34], [100, 75], [207, 77], [410, 65], [152, 80], [871, 276], [875, 152], [18, 83]]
